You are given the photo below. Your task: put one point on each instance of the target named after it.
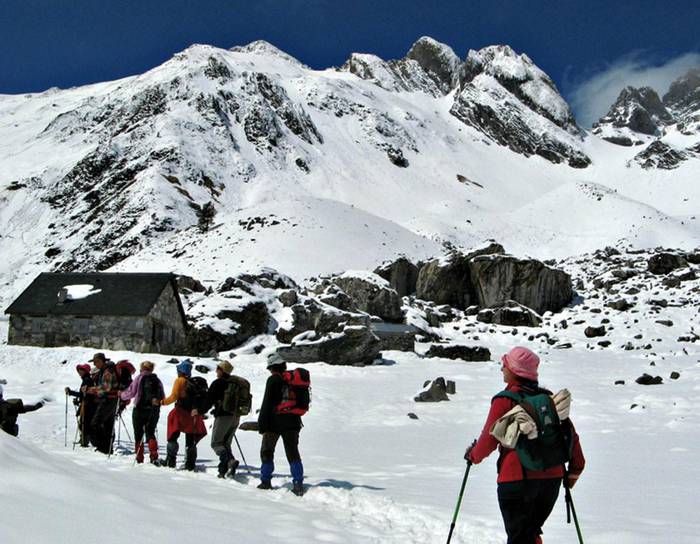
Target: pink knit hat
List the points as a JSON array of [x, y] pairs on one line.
[[522, 362]]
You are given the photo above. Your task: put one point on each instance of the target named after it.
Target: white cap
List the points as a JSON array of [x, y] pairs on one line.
[[274, 358]]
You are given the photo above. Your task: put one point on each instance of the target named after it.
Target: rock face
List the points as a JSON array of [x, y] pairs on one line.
[[457, 351], [401, 274], [354, 345], [312, 315], [508, 98], [233, 327], [430, 67], [511, 314], [663, 263], [636, 111], [371, 294], [501, 277], [448, 280]]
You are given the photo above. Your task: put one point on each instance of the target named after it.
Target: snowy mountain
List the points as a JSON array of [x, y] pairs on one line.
[[669, 127], [219, 161]]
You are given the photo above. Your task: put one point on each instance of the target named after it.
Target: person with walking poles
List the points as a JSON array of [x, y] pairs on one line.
[[280, 417], [85, 407], [146, 391], [536, 439], [190, 398], [225, 397], [104, 394], [10, 409]]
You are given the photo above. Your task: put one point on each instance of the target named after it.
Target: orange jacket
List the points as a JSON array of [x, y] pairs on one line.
[[179, 391]]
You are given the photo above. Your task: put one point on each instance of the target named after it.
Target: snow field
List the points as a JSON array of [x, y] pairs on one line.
[[374, 475]]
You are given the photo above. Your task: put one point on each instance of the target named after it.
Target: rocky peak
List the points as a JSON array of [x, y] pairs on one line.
[[438, 60], [507, 97], [684, 93], [519, 75], [261, 47], [636, 110]]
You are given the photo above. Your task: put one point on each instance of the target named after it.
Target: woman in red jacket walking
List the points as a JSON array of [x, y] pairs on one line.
[[526, 498]]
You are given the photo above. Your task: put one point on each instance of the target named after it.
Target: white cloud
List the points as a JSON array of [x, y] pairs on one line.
[[592, 98]]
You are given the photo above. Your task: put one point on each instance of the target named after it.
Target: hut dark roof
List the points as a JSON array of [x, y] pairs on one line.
[[120, 294], [384, 328]]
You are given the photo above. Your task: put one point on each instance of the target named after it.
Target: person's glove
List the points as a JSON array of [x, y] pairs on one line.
[[468, 451]]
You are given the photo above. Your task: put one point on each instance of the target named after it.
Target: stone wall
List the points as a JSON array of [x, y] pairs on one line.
[[100, 332], [166, 330]]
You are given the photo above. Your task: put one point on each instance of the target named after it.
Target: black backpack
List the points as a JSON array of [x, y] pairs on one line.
[[196, 395], [151, 388], [237, 398]]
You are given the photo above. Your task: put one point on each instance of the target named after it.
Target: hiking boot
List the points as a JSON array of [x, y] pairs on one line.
[[170, 461], [232, 466], [265, 484], [298, 489], [153, 450], [190, 458], [139, 452]]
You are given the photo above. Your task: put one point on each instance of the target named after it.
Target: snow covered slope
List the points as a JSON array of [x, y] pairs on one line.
[[370, 160]]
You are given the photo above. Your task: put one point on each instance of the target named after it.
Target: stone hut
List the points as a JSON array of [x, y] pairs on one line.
[[120, 311]]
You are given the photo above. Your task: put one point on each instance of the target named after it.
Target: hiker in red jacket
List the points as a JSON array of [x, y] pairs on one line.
[[526, 498]]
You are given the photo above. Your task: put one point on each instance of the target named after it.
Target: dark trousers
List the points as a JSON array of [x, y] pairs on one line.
[[145, 421], [525, 506], [290, 439], [102, 424]]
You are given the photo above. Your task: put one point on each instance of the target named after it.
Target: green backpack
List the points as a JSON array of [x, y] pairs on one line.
[[553, 444], [237, 398]]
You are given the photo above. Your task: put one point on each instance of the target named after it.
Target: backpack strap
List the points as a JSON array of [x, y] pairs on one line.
[[519, 399]]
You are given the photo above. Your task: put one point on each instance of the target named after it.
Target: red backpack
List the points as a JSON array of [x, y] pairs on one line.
[[296, 397]]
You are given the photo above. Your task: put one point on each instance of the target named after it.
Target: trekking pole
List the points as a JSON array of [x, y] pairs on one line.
[[247, 466], [459, 501], [126, 430], [570, 509], [65, 432]]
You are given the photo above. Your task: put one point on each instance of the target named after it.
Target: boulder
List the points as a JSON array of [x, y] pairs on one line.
[[313, 315], [594, 332], [401, 274], [497, 278], [267, 278], [458, 351], [620, 304], [288, 298], [371, 294], [511, 314], [448, 280], [336, 297], [646, 379], [187, 285], [231, 323], [433, 391], [663, 263], [354, 345]]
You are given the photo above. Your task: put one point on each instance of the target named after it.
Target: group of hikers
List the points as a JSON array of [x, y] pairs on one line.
[[539, 449], [108, 388]]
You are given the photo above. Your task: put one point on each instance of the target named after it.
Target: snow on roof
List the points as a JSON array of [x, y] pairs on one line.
[[78, 291]]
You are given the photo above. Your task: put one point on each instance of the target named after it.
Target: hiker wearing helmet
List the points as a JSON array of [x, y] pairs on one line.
[[272, 425], [226, 418], [526, 496], [185, 417], [146, 391], [85, 405], [10, 409]]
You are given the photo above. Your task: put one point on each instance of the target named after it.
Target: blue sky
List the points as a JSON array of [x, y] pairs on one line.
[[63, 43]]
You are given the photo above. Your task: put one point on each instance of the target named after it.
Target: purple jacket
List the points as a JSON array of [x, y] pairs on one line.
[[134, 390]]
